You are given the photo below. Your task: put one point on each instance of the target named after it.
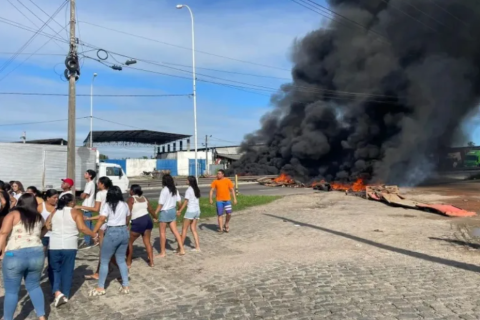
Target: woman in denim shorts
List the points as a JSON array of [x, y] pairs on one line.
[[167, 213], [192, 202]]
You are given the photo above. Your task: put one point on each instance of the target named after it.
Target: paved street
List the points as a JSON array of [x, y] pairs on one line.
[[317, 256], [247, 189]]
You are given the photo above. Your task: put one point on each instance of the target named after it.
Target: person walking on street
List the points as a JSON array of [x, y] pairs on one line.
[[167, 214], [66, 186], [141, 223], [64, 223], [103, 184], [115, 242], [24, 256], [88, 197], [192, 202], [222, 187]]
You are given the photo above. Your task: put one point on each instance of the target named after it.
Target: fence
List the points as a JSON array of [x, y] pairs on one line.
[[168, 164], [200, 166]]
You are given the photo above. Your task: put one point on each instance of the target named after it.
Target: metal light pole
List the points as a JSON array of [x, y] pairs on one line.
[[180, 6], [91, 111]]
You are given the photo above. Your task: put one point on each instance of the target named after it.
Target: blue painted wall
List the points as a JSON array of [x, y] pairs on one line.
[[191, 166], [168, 164], [121, 163]]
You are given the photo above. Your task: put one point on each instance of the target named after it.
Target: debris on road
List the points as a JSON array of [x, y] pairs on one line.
[[391, 195], [387, 194]]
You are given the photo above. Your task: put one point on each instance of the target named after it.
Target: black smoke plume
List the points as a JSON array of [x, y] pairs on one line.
[[377, 102]]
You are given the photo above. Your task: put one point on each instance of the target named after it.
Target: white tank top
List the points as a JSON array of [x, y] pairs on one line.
[[139, 209], [45, 214], [64, 230], [20, 238]]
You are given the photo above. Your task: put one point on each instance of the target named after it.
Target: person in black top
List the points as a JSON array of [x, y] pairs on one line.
[[4, 202]]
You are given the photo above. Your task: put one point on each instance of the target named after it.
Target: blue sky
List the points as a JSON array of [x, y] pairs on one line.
[[243, 30]]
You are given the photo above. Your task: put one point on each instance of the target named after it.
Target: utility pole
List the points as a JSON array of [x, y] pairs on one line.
[[72, 73], [206, 154]]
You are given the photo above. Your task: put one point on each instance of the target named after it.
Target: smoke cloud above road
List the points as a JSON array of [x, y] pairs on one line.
[[376, 94]]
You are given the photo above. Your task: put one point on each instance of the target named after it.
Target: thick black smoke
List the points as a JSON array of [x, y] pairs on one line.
[[377, 104]]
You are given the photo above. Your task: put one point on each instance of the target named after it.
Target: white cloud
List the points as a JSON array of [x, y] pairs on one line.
[[260, 34]]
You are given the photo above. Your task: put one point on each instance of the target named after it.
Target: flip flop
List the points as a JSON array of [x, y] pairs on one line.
[[89, 277], [227, 229]]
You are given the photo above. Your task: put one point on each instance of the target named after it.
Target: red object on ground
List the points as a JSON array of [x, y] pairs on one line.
[[447, 210]]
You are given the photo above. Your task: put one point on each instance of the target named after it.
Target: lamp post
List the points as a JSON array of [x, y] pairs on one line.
[[180, 6], [91, 110]]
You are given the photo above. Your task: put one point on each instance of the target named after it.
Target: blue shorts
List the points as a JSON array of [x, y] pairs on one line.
[[141, 224], [192, 215], [168, 215], [224, 207]]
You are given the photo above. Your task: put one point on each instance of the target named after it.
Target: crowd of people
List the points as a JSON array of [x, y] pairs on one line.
[[36, 225]]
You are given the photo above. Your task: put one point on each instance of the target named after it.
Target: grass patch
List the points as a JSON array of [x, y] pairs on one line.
[[243, 202]]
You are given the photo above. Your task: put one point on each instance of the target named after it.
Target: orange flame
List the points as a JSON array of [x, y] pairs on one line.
[[356, 186], [284, 178]]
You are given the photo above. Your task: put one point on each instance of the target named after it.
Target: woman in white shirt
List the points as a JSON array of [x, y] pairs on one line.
[[17, 191], [167, 213], [115, 241], [103, 184], [141, 223], [64, 223], [192, 202]]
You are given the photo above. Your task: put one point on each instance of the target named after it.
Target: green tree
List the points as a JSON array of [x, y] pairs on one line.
[[471, 144], [103, 157]]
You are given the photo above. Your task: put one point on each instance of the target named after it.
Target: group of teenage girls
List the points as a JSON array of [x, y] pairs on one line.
[[50, 226]]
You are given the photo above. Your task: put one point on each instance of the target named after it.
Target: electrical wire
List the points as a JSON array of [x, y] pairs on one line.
[[9, 61], [24, 27], [409, 15], [96, 95], [181, 47], [368, 30], [251, 86], [37, 122], [27, 58], [40, 18]]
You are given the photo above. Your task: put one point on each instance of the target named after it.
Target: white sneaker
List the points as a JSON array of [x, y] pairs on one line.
[[59, 300]]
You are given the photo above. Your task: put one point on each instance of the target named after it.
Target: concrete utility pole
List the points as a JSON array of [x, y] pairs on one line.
[[206, 154], [71, 64]]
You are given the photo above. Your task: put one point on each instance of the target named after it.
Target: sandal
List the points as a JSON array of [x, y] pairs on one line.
[[96, 293], [124, 290], [220, 231], [226, 229], [90, 277]]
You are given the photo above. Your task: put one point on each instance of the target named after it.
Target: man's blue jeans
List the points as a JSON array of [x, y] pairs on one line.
[[21, 264], [115, 242], [89, 224]]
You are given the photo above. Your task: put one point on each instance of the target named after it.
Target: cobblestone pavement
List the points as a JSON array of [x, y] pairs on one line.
[[322, 256]]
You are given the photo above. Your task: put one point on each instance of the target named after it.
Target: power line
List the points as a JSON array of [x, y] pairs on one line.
[[409, 15], [34, 54], [317, 5], [27, 58], [96, 95], [121, 124], [9, 61], [182, 47], [36, 122], [24, 27]]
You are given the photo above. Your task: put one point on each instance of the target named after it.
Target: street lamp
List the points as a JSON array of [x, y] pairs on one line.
[[180, 6], [91, 110]]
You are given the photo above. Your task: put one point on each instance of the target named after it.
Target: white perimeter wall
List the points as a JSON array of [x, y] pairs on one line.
[[182, 160], [135, 167]]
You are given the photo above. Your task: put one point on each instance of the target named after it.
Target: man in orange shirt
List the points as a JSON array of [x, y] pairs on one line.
[[223, 187]]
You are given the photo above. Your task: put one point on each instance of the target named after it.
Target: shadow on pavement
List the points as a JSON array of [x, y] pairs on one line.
[[458, 242], [422, 256]]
